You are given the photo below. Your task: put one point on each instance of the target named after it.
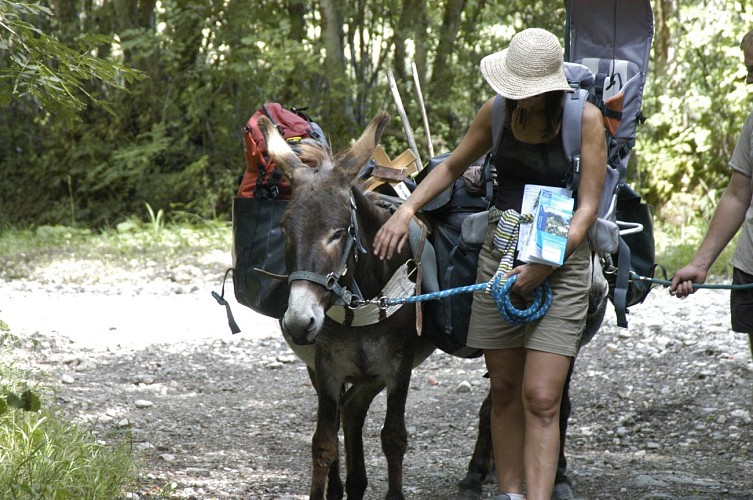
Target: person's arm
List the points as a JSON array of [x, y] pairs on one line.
[[593, 170], [728, 217], [477, 141]]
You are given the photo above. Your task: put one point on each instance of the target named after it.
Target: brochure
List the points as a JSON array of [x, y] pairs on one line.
[[544, 240]]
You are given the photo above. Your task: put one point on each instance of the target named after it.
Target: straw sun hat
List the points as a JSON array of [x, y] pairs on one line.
[[531, 65]]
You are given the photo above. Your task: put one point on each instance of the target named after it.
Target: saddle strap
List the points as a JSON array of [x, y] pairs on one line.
[[373, 311], [419, 271]]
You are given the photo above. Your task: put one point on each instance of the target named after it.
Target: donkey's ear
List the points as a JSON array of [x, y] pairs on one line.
[[279, 150], [353, 160]]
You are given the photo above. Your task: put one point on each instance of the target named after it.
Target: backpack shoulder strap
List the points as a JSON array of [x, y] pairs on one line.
[[498, 121], [572, 121]]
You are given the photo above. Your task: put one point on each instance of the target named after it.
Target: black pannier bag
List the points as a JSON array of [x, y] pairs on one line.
[[259, 270], [259, 254], [446, 319]]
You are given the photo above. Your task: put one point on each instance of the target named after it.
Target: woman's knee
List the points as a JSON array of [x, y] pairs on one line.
[[543, 403]]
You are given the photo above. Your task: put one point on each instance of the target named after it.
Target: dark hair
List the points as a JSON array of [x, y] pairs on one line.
[[747, 41], [553, 106]]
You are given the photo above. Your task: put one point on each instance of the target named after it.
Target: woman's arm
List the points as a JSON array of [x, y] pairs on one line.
[[477, 141], [593, 152]]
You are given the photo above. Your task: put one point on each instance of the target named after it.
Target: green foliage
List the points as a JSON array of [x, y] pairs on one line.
[[44, 73], [27, 401], [676, 246], [43, 455], [695, 108], [173, 139]]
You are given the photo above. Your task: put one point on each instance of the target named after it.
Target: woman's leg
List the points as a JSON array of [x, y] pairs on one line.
[[505, 368], [543, 381]]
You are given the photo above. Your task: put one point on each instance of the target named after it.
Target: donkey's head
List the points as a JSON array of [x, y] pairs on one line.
[[319, 225]]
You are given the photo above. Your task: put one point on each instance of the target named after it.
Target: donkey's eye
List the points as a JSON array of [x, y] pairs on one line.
[[337, 235]]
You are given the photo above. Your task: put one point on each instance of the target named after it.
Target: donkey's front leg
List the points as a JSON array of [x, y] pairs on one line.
[[355, 406], [394, 435], [324, 445]]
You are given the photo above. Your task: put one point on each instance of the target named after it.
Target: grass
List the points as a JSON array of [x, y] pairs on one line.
[[45, 456], [129, 242], [675, 247]]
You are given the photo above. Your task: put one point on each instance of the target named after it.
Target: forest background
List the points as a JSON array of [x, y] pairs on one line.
[[111, 106]]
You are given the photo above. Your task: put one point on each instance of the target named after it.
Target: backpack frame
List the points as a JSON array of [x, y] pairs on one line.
[[616, 51]]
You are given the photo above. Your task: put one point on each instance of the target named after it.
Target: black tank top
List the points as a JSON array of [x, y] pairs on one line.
[[519, 163]]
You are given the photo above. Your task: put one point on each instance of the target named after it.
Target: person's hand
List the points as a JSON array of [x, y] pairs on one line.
[[682, 281], [529, 277], [393, 234]]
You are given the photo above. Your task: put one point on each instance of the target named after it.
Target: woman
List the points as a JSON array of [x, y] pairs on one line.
[[527, 364]]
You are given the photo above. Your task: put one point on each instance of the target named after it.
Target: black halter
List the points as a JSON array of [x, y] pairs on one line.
[[331, 281]]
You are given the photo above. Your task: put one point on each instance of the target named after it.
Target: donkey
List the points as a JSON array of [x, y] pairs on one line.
[[329, 226]]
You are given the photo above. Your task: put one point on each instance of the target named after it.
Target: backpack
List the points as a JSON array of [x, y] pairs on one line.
[[612, 40], [262, 177], [259, 270]]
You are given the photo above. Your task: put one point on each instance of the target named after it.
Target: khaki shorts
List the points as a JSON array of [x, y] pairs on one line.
[[558, 331]]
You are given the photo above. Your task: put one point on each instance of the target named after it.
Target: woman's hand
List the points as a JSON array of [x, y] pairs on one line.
[[393, 234], [529, 277]]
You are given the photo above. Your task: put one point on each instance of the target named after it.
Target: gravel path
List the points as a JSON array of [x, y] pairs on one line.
[[662, 410]]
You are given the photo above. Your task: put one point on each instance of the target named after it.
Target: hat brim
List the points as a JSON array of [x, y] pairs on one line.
[[514, 86]]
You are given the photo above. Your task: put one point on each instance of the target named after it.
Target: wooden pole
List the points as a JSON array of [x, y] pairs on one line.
[[420, 94], [404, 118]]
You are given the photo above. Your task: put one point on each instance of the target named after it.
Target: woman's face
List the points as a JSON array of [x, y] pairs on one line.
[[533, 101]]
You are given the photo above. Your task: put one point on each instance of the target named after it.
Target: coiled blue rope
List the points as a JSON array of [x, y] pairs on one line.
[[542, 298]]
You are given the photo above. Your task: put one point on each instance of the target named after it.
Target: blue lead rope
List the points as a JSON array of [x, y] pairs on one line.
[[542, 298]]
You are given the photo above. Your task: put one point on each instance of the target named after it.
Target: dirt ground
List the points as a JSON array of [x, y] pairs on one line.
[[661, 410]]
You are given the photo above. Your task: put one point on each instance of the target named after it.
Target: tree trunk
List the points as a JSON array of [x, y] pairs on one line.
[[663, 10], [442, 77], [337, 105]]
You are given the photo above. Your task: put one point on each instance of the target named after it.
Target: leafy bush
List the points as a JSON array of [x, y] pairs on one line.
[[676, 245], [43, 455]]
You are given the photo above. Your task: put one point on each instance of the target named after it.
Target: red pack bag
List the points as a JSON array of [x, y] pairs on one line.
[[262, 178]]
